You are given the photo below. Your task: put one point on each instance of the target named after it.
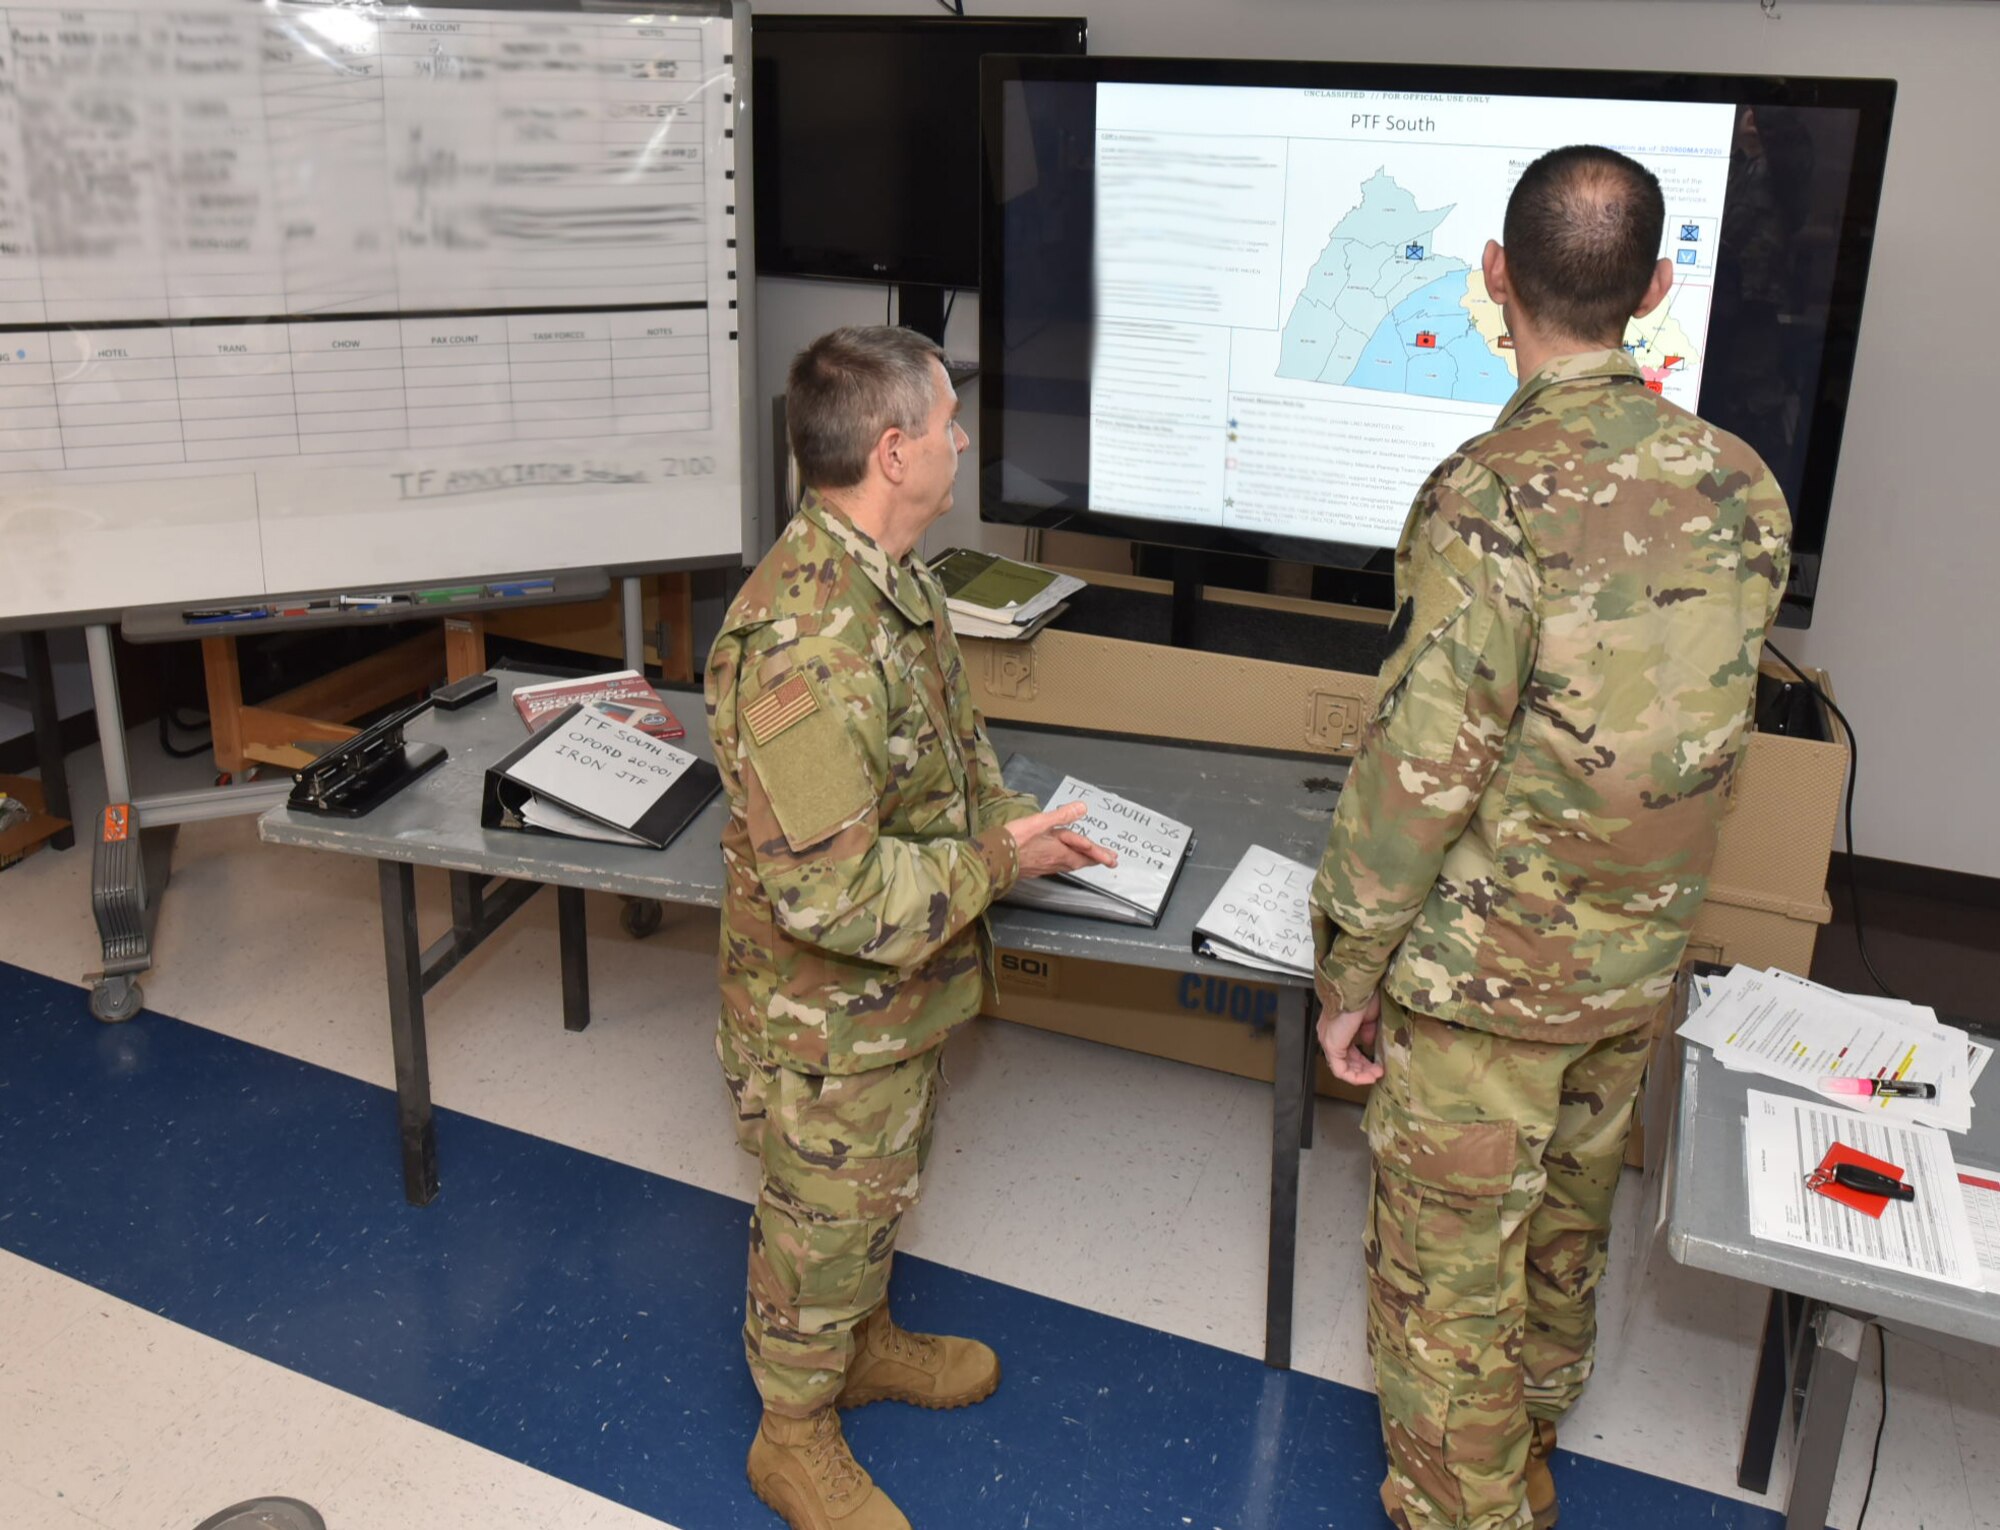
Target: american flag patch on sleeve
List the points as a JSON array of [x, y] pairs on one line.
[[791, 701]]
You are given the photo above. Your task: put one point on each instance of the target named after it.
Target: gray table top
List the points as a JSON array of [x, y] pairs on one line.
[[1708, 1225], [1232, 799]]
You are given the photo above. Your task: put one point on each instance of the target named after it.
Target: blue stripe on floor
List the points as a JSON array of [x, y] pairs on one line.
[[582, 1317]]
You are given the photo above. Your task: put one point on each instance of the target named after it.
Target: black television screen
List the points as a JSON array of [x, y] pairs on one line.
[[1237, 306], [865, 131]]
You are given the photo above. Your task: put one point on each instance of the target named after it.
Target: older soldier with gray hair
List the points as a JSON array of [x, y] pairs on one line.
[[1525, 837], [868, 832]]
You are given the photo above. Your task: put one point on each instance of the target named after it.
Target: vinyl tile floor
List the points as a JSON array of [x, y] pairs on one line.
[[1108, 1206]]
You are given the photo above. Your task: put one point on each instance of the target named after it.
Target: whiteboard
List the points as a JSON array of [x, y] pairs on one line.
[[300, 296]]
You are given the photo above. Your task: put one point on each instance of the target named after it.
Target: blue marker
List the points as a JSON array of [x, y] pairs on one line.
[[226, 614], [517, 587]]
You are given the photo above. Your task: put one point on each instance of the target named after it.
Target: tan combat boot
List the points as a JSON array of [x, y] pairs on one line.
[[919, 1368], [1541, 1482], [803, 1469]]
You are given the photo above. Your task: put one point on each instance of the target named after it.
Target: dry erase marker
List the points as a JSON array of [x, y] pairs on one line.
[[451, 595], [521, 587], [1888, 1088], [226, 614], [372, 602]]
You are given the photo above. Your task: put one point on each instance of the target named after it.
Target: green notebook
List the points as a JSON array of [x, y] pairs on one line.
[[988, 582]]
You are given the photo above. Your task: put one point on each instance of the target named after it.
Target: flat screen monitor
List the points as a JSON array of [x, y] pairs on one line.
[[865, 133], [1237, 306]]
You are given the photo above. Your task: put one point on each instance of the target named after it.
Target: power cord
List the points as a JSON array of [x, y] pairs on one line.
[[956, 7], [1853, 773], [950, 298], [1875, 1457], [170, 719]]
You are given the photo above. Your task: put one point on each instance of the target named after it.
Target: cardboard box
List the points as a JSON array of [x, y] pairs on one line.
[[1223, 1023], [25, 839], [1767, 897]]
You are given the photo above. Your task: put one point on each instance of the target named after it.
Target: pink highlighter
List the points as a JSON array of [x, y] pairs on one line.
[[1888, 1088]]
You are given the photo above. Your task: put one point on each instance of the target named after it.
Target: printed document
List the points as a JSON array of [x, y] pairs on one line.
[[1786, 1138], [1755, 1022]]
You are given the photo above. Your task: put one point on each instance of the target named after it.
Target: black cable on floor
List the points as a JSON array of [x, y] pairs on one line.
[[167, 744], [1853, 773], [1875, 1457]]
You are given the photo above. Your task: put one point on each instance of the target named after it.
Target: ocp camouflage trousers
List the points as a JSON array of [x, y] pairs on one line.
[[842, 1158], [1495, 1165]]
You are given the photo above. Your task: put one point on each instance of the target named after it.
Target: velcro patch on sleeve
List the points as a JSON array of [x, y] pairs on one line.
[[785, 705], [813, 780]]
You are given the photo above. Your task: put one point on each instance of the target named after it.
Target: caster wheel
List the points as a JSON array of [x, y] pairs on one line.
[[640, 917], [223, 778], [115, 1000]]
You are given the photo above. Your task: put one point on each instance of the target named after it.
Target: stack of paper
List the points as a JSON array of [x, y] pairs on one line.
[[1787, 1028], [1262, 917], [1001, 632], [1785, 1139]]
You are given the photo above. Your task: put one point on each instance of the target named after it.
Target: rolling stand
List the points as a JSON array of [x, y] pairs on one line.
[[134, 845]]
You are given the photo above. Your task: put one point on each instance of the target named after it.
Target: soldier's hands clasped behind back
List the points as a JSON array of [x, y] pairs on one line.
[[1348, 1039]]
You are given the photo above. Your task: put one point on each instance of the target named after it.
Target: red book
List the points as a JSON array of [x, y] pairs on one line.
[[623, 695]]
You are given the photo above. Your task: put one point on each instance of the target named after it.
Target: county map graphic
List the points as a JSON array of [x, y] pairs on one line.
[[1383, 309]]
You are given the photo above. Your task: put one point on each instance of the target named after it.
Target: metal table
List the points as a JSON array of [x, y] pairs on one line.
[[1821, 1306], [1233, 799]]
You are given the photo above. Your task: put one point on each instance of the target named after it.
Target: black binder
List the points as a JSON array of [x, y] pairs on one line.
[[675, 808]]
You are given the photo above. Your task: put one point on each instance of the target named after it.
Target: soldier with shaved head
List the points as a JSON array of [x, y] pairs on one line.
[[1525, 838]]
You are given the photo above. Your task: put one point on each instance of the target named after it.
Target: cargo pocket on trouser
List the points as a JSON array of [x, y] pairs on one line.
[[1445, 1309], [840, 1168], [749, 1080]]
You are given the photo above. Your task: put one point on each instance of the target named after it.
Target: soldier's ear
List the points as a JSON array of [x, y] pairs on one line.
[[892, 454], [1656, 290], [1493, 266]]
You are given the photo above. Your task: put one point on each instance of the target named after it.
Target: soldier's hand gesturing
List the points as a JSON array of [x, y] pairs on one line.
[[1046, 845], [1348, 1039]]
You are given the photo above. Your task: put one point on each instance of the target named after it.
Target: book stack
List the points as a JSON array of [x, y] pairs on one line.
[[988, 596], [622, 695], [586, 774]]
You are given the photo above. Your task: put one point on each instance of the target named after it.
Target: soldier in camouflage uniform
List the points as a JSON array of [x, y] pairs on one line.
[[1524, 840], [868, 832]]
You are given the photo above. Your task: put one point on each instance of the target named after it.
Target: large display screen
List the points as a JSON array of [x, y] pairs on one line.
[[1239, 306]]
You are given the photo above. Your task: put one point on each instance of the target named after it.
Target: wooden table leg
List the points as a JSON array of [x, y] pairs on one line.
[[225, 703], [464, 647]]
